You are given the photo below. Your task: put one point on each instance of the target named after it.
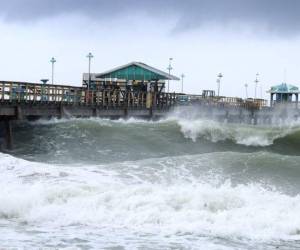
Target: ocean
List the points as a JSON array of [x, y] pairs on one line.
[[177, 183]]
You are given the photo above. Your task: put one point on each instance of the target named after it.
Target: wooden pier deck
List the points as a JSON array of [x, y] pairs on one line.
[[19, 100]]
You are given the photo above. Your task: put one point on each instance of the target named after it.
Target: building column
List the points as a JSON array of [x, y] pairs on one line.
[[297, 100]]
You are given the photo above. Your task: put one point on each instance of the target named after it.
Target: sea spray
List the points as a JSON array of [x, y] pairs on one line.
[[241, 134]]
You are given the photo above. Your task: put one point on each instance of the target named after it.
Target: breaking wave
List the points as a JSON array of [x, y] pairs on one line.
[[248, 135], [244, 134], [100, 140], [127, 196]]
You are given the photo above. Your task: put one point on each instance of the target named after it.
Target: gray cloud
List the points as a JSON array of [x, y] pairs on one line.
[[275, 15]]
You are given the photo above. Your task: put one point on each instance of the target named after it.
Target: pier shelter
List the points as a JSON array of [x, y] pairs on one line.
[[132, 76], [284, 93]]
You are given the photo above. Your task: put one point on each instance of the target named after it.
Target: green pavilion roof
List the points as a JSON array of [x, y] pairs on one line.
[[137, 71], [284, 88]]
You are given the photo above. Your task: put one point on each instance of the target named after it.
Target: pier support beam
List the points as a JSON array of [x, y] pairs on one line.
[[19, 113], [8, 137], [61, 111], [150, 112]]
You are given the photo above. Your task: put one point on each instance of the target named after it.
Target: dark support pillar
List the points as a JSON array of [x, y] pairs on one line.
[[150, 112], [95, 112], [241, 117], [61, 111], [19, 113], [8, 134], [227, 115], [297, 100], [255, 119]]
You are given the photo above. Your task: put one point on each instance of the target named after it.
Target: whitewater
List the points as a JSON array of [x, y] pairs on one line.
[[130, 184]]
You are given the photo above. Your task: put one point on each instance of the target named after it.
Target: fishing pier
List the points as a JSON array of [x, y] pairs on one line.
[[132, 90]]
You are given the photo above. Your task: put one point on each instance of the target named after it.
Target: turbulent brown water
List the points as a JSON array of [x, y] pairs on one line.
[[178, 183]]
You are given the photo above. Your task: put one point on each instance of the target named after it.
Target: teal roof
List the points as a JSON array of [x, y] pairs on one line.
[[284, 88], [137, 71]]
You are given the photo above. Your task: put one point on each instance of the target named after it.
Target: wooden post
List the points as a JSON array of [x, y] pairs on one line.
[[126, 103], [149, 96], [26, 93], [109, 98], [119, 98], [48, 94], [55, 93], [34, 94], [3, 89], [104, 98], [143, 105], [167, 100], [10, 92], [128, 99], [18, 89]]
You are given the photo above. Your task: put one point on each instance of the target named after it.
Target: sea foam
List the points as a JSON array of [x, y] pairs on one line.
[[95, 197]]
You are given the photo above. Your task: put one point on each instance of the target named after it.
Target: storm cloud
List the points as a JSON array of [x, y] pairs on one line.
[[274, 15]]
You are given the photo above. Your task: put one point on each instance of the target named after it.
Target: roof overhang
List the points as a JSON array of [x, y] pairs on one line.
[[283, 92], [165, 75], [284, 88]]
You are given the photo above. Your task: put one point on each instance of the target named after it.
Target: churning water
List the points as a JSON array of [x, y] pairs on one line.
[[173, 184]]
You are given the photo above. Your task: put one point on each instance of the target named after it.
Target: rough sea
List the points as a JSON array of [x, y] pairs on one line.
[[177, 183]]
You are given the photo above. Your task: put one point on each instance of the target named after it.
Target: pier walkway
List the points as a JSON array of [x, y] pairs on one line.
[[20, 100]]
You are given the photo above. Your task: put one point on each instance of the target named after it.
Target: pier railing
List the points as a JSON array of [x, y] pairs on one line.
[[36, 93], [23, 92], [222, 101], [31, 92]]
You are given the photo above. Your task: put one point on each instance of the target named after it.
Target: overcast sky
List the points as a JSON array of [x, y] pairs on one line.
[[236, 37]]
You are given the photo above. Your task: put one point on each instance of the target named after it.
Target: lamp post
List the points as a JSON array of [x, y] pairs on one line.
[[182, 77], [246, 88], [219, 82], [53, 61], [169, 68], [256, 83], [89, 56]]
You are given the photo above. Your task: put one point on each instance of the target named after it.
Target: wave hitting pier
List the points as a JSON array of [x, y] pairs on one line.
[[21, 101], [31, 101]]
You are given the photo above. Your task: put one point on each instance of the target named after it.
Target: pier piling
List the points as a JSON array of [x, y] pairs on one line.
[[8, 137]]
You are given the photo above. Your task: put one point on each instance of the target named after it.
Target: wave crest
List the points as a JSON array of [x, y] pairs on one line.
[[239, 133]]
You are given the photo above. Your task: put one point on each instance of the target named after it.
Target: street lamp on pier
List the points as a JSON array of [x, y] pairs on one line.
[[182, 77], [89, 56], [246, 88], [169, 68], [256, 83], [219, 82], [53, 61]]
